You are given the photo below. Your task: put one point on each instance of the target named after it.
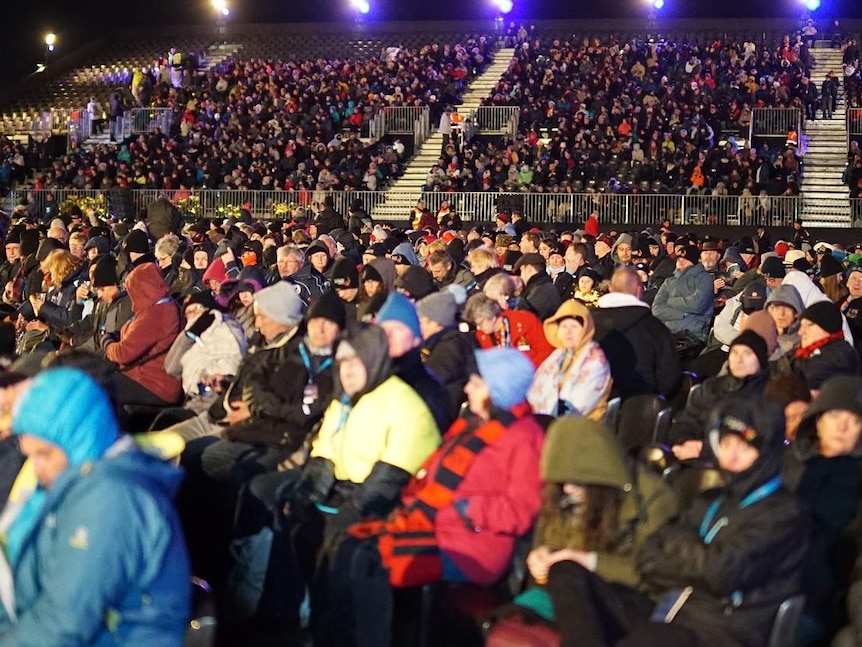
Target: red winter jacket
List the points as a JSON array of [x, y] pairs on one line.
[[525, 333], [503, 493], [146, 338]]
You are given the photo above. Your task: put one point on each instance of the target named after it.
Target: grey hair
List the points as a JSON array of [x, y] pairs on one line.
[[480, 306]]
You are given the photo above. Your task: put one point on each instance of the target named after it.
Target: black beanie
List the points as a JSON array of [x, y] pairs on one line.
[[29, 242], [328, 306], [345, 275], [204, 298], [46, 246], [104, 271], [830, 266], [14, 236], [825, 314], [756, 343], [137, 242], [189, 256], [416, 282]]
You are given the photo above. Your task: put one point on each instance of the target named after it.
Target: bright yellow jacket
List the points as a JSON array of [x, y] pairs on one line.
[[391, 424]]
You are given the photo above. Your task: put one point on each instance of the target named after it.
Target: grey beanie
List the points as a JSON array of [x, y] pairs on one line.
[[439, 307], [280, 302], [442, 306]]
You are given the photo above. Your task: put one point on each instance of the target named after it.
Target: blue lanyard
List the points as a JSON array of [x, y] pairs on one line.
[[507, 335], [309, 368], [707, 533]]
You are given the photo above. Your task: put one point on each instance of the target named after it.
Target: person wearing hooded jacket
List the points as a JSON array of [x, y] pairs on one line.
[[747, 374], [824, 470], [459, 517], [95, 548], [598, 508], [364, 452], [140, 348], [726, 565], [575, 379]]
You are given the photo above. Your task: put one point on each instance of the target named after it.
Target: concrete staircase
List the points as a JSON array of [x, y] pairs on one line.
[[217, 54], [402, 195], [825, 197]]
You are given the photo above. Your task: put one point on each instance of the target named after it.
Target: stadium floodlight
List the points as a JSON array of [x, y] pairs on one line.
[[362, 6], [658, 4], [50, 41], [221, 7], [812, 5], [504, 6]]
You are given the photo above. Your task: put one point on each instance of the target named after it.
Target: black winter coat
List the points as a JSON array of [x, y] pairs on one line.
[[690, 423], [273, 383], [566, 285], [410, 369], [449, 356], [759, 553], [540, 296], [835, 358], [327, 220], [640, 350]]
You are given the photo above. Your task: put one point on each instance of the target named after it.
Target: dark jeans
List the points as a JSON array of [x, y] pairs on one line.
[[215, 471], [591, 612], [131, 392], [354, 607]]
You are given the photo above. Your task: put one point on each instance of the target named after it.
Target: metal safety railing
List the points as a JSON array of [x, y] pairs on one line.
[[495, 120], [148, 120], [551, 208], [774, 122], [854, 124], [401, 120], [422, 128]]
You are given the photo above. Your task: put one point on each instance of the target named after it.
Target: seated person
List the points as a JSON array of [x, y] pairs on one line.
[[96, 548], [726, 565], [825, 472], [575, 379], [747, 373], [459, 517], [598, 507], [140, 347], [823, 351]]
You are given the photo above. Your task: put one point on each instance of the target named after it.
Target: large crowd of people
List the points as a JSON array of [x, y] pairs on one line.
[[617, 436], [360, 412]]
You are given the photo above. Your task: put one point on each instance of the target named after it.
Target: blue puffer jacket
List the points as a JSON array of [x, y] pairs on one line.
[[685, 301], [107, 563]]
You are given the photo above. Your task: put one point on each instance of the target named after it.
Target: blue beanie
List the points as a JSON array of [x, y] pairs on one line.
[[508, 374], [397, 307], [66, 407]]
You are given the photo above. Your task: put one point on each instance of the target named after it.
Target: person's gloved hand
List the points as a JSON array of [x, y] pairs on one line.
[[299, 506], [109, 338], [201, 324]]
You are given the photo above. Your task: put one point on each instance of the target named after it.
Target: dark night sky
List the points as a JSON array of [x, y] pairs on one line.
[[75, 22]]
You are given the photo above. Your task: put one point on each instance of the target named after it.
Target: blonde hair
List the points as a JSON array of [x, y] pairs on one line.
[[481, 259], [60, 264], [78, 237]]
